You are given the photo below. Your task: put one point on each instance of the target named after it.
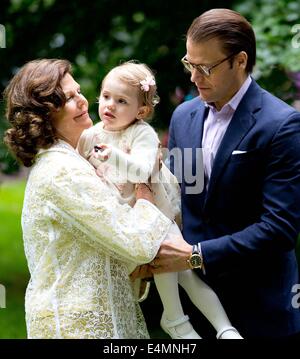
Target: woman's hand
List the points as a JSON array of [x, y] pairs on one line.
[[154, 177], [142, 271], [144, 191]]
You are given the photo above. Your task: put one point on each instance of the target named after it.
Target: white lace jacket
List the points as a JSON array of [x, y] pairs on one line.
[[79, 242]]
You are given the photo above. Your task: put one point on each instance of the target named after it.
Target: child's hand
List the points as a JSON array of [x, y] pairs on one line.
[[102, 152]]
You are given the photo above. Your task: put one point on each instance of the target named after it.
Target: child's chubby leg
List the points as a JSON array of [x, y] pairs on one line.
[[173, 320], [206, 300]]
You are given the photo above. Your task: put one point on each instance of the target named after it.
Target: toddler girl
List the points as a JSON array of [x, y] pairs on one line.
[[123, 148]]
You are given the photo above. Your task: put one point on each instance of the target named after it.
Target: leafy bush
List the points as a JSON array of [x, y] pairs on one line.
[[275, 24]]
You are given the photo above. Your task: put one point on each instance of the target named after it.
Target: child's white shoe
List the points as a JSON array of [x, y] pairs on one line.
[[229, 333], [179, 329]]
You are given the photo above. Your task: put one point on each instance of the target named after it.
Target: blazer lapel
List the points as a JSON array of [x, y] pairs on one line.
[[192, 156], [194, 129], [241, 122]]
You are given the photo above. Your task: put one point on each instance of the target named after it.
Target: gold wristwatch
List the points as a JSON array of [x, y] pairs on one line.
[[196, 259]]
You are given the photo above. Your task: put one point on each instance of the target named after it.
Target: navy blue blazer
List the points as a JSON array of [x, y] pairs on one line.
[[248, 218]]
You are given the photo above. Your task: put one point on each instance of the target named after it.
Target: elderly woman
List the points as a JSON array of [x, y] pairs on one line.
[[79, 241]]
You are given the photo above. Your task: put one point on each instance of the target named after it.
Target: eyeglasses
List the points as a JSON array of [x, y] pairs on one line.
[[204, 70]]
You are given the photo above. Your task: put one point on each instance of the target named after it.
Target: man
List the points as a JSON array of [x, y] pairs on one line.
[[247, 218]]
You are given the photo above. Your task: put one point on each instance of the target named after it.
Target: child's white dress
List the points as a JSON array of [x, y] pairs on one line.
[[133, 160]]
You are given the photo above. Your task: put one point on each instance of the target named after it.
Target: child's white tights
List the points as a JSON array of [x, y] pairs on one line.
[[203, 297]]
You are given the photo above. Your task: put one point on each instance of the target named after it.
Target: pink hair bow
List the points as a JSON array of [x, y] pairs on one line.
[[149, 81]]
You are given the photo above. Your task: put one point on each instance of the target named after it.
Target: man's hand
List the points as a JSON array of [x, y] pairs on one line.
[[172, 255]]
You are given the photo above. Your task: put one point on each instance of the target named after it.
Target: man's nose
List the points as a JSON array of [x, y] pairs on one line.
[[196, 75]]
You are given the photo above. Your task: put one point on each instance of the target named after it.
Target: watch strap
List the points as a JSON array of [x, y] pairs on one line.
[[195, 249], [200, 252]]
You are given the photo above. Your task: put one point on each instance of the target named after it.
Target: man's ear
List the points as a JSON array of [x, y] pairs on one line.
[[242, 59], [143, 112]]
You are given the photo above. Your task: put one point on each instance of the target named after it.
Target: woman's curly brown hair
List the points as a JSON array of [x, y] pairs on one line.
[[32, 97]]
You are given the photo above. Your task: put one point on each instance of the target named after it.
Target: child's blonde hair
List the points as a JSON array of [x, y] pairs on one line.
[[133, 73]]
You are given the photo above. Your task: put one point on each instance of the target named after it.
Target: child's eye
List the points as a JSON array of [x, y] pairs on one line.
[[122, 101]]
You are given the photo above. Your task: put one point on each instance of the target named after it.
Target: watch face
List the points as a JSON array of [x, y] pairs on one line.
[[196, 261]]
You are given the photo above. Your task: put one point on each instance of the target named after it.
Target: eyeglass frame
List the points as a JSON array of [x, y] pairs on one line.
[[205, 70]]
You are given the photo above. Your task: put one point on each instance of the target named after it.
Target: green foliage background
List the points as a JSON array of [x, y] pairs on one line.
[[276, 24], [97, 35]]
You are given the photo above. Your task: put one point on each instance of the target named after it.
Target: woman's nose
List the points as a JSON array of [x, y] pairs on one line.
[[81, 101]]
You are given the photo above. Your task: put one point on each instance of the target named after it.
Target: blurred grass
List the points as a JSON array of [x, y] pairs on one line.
[[13, 269]]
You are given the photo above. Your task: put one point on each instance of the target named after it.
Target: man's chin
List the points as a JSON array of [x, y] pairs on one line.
[[203, 97]]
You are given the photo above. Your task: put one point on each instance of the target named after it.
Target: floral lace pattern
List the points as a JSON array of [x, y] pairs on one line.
[[79, 243]]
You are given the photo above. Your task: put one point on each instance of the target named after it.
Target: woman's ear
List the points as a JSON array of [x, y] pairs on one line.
[[143, 112]]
